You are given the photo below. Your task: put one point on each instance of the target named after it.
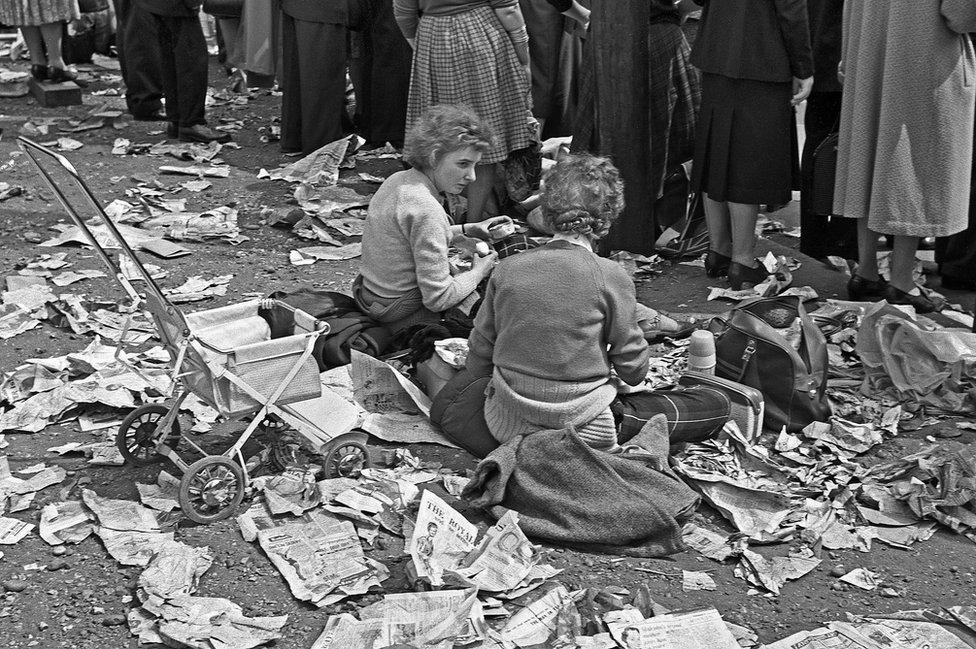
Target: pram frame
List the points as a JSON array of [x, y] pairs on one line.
[[215, 480]]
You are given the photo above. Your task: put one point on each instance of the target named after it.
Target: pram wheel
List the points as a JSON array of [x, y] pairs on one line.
[[137, 432], [211, 489], [346, 460]]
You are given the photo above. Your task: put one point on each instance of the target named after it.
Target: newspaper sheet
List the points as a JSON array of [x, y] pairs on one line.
[[162, 496], [378, 387], [754, 512], [504, 558], [174, 571], [711, 544], [120, 515], [203, 622], [826, 639], [903, 634], [404, 428], [294, 491], [441, 539], [321, 558], [13, 530], [543, 621], [65, 522], [703, 629], [439, 619], [132, 548]]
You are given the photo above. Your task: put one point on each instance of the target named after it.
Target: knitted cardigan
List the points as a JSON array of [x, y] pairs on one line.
[[553, 322], [406, 241]]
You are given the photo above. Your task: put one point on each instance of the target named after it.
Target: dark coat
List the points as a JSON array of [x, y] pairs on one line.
[[826, 22], [180, 8], [334, 12], [761, 40]]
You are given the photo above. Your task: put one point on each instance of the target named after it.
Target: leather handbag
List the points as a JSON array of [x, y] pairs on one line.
[[750, 350]]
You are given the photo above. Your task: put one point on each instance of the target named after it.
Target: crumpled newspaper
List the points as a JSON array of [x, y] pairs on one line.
[[933, 367]]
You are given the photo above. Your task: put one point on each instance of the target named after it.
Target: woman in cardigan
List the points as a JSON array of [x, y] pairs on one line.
[[756, 64], [476, 53], [406, 278], [558, 322]]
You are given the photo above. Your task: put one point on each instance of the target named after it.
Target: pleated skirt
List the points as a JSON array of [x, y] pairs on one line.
[[468, 58], [26, 13], [746, 149]]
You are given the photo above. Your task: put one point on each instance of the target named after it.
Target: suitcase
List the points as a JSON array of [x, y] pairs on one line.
[[748, 406]]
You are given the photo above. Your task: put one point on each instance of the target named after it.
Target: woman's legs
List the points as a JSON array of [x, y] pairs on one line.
[[903, 263], [867, 251], [743, 219], [694, 413], [51, 33], [479, 192], [35, 44], [719, 226]]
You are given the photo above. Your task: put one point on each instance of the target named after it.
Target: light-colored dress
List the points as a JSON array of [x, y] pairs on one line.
[[904, 155], [30, 13]]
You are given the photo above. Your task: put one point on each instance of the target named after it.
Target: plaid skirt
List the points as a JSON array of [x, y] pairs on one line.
[[26, 13], [468, 58]]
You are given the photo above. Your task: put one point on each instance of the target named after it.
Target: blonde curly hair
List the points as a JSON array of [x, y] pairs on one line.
[[443, 129], [583, 193]]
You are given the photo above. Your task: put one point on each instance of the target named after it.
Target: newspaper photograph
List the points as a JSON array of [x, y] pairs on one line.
[[320, 557], [441, 539], [703, 629], [503, 560], [539, 622]]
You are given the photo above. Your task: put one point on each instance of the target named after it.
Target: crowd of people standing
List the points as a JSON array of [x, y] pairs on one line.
[[623, 80]]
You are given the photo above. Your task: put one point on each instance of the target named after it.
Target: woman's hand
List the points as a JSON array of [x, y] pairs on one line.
[[483, 265], [801, 90], [497, 227], [840, 72]]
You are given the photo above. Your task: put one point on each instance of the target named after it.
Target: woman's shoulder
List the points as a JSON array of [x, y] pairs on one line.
[[408, 186]]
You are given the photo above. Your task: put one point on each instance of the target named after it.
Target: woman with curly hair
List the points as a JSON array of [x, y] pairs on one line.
[[476, 53], [405, 277], [557, 321]]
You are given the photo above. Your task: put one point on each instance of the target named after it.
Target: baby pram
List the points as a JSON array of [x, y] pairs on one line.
[[224, 356]]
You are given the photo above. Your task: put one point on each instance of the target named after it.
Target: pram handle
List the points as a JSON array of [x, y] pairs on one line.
[[32, 148]]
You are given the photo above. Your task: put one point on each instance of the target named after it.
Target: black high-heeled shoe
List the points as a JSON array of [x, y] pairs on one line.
[[716, 264], [741, 276], [39, 72], [894, 295], [60, 75], [866, 290]]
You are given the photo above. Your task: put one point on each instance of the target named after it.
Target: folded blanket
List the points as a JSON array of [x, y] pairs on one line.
[[566, 492]]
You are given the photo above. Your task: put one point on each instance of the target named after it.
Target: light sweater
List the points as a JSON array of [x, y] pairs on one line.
[[553, 322], [408, 12], [406, 241]]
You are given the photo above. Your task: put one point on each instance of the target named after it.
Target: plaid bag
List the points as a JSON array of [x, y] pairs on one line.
[[523, 172]]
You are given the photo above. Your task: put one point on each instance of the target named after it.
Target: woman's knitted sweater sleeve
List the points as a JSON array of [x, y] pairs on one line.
[[628, 351], [429, 234]]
